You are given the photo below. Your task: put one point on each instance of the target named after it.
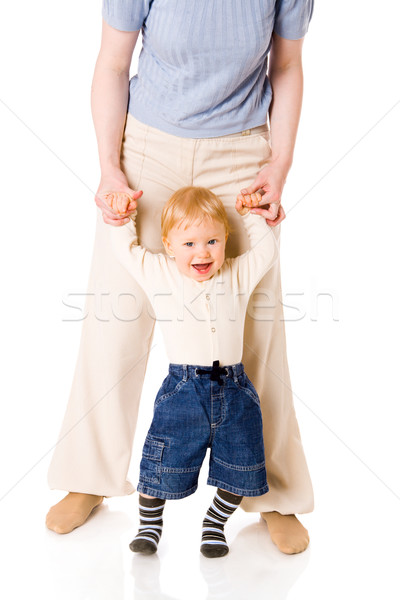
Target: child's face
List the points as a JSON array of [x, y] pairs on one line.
[[199, 250]]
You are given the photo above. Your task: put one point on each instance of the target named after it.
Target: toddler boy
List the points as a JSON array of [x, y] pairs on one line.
[[206, 401]]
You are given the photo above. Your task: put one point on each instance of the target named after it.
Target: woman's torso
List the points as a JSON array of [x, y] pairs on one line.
[[202, 69], [203, 66]]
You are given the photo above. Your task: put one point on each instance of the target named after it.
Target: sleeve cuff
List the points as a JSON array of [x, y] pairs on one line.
[[291, 35], [120, 24]]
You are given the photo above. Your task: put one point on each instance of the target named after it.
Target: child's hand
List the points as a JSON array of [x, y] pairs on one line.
[[119, 202], [244, 203]]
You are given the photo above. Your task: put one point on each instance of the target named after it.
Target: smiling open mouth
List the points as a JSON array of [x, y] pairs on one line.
[[202, 268]]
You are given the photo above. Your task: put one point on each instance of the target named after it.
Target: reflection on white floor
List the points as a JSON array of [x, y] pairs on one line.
[[94, 562], [249, 570], [353, 553]]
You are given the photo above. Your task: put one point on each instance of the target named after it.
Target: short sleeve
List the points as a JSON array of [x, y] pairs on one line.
[[292, 18], [126, 15]]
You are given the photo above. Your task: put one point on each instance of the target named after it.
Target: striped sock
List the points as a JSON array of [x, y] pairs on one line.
[[213, 542], [150, 529]]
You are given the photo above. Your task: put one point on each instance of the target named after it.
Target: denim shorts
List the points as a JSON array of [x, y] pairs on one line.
[[193, 412]]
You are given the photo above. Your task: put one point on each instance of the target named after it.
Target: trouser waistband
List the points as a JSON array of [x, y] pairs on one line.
[[253, 131], [187, 371]]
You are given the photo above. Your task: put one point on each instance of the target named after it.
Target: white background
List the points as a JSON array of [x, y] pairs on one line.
[[340, 255]]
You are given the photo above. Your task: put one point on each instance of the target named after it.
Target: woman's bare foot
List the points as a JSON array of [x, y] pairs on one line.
[[286, 532], [71, 512]]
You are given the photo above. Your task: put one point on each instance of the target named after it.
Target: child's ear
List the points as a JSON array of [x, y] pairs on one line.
[[226, 236], [167, 246]]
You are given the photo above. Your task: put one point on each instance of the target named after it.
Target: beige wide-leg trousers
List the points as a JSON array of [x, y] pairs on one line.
[[95, 443]]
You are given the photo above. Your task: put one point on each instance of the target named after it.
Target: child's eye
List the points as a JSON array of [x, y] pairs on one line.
[[212, 242], [189, 244]]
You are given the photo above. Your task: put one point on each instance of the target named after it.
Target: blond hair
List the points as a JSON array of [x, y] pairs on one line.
[[189, 205]]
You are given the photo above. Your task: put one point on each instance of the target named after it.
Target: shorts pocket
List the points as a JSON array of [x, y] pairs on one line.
[[170, 386], [244, 384], [150, 465]]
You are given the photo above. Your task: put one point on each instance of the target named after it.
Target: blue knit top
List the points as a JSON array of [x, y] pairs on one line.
[[203, 66]]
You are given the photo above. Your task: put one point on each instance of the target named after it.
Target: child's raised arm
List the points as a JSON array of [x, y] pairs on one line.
[[143, 265], [254, 264]]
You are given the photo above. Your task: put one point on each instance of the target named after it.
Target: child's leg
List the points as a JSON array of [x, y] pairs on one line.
[[151, 523], [213, 542]]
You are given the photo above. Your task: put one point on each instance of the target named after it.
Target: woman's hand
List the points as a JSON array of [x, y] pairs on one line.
[[270, 180], [116, 200]]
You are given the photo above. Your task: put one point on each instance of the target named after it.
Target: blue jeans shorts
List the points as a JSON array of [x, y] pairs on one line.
[[193, 412]]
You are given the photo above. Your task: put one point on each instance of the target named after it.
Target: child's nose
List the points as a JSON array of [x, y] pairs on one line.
[[204, 251]]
